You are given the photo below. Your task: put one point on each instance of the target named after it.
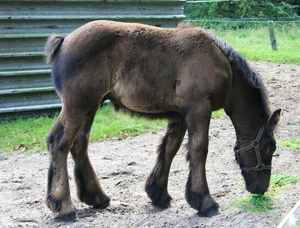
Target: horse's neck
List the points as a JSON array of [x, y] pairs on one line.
[[245, 111]]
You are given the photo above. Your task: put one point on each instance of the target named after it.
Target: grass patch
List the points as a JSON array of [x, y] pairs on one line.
[[255, 203], [263, 203], [107, 125], [290, 143], [219, 114], [280, 180], [25, 134], [30, 134], [254, 44]]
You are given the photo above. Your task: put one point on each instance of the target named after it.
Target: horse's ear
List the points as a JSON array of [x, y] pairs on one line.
[[273, 120]]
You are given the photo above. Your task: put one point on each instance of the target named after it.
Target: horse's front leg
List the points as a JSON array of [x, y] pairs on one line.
[[157, 182], [197, 192], [60, 140], [88, 186]]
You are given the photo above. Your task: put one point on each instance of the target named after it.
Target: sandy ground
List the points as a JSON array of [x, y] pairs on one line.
[[123, 165]]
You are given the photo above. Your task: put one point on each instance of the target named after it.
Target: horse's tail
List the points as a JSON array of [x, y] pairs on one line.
[[52, 46]]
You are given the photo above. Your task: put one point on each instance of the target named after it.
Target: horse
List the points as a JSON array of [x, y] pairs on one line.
[[180, 74]]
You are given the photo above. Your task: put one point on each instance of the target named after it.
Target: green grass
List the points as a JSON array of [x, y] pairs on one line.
[[264, 203], [219, 114], [108, 125], [255, 203], [290, 143], [30, 134], [280, 180], [254, 44], [24, 134]]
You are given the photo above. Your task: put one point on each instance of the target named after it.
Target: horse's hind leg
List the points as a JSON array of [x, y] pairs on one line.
[[60, 140], [157, 182], [87, 183]]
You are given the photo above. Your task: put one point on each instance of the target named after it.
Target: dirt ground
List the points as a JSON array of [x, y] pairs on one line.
[[123, 165]]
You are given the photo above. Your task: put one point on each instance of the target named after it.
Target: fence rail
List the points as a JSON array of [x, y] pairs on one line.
[[202, 1], [25, 84]]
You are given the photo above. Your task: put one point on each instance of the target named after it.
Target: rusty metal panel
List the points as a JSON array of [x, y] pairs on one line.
[[25, 83]]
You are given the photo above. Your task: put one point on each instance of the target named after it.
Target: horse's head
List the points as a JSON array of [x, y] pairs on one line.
[[255, 159]]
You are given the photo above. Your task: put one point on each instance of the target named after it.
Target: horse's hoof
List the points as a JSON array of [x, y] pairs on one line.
[[209, 211], [103, 204], [163, 202], [94, 200], [155, 193], [68, 217]]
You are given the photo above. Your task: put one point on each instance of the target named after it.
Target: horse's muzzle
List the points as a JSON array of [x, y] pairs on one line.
[[256, 189], [256, 182]]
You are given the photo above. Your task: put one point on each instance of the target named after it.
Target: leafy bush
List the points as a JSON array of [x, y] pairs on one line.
[[265, 9]]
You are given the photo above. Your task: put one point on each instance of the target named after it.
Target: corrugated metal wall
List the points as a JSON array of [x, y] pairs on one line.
[[25, 84]]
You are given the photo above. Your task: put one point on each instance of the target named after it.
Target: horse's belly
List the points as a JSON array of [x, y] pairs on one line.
[[150, 101]]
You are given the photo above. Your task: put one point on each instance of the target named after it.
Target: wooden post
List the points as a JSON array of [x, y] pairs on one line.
[[272, 35]]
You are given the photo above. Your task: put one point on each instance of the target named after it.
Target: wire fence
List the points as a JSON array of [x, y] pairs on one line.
[[201, 1], [243, 23], [283, 26]]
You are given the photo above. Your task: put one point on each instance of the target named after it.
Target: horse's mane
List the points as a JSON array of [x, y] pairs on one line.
[[252, 77]]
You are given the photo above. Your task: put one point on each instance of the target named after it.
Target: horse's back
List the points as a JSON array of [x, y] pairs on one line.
[[144, 68]]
